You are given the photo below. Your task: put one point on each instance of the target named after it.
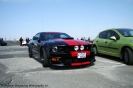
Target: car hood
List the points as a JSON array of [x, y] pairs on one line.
[[69, 42]]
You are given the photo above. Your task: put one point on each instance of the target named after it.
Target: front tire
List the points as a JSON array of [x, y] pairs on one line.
[[45, 61], [30, 53], [128, 56], [95, 50]]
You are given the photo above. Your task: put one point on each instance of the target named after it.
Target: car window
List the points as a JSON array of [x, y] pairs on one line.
[[131, 32], [63, 36], [111, 33], [126, 32], [103, 35], [37, 35], [47, 36]]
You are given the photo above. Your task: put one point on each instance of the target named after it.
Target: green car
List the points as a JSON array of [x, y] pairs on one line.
[[115, 42]]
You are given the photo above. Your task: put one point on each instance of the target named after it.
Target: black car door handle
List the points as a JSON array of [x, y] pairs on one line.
[[106, 42], [96, 41]]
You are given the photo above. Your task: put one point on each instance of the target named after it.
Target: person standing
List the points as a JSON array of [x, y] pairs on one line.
[[88, 39], [81, 38], [21, 40], [27, 41]]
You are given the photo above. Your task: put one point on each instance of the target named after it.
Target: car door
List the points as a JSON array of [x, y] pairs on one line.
[[100, 42], [36, 45], [112, 46]]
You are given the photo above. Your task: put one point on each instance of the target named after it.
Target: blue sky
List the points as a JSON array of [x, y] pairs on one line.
[[78, 18]]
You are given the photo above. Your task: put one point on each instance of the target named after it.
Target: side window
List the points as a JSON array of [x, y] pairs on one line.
[[37, 35], [131, 32], [42, 36], [63, 36], [103, 35], [112, 33]]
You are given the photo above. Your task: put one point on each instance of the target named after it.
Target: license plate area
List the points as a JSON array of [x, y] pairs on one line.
[[81, 55]]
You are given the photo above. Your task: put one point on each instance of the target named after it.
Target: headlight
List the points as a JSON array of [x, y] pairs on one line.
[[131, 40], [76, 48], [81, 47], [55, 49]]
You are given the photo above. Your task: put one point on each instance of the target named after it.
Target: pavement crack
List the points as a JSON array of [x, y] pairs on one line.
[[7, 80]]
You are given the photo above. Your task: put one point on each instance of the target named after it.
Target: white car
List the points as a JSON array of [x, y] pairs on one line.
[[24, 43]]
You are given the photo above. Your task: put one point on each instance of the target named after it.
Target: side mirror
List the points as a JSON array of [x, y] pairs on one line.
[[113, 38]]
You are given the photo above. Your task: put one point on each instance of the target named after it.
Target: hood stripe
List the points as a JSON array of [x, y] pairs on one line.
[[74, 42]]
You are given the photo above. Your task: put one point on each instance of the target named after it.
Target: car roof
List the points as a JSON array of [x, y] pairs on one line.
[[50, 32], [117, 29]]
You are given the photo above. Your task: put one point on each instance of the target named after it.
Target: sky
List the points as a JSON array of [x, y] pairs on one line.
[[77, 18]]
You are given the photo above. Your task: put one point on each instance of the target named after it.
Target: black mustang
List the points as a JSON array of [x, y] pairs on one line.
[[59, 49]]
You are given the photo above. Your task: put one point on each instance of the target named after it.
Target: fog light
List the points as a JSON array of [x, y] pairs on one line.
[[55, 59]]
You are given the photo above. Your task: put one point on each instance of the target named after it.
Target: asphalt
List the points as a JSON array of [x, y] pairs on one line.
[[17, 70]]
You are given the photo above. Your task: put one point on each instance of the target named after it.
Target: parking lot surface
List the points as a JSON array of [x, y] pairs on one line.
[[17, 70]]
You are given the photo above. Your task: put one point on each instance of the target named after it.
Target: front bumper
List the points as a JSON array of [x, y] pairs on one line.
[[67, 60]]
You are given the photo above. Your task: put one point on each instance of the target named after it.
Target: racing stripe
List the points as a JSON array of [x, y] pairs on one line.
[[81, 42], [70, 42]]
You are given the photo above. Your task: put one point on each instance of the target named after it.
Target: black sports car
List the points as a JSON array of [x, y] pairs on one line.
[[59, 49], [3, 43]]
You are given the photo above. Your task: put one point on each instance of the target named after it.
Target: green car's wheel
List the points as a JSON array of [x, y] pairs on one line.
[[95, 50], [44, 57], [128, 56]]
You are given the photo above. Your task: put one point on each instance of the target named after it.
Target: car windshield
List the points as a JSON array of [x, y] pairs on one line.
[[56, 35], [126, 32]]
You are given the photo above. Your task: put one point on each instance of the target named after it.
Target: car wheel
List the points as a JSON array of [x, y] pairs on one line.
[[44, 58], [128, 56], [95, 50], [30, 53]]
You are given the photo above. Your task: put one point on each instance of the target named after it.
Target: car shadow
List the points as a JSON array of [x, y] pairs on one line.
[[111, 58], [65, 67], [70, 67]]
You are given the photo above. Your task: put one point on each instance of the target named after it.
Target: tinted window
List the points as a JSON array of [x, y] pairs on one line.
[[112, 33], [103, 35], [37, 35], [54, 35], [126, 32]]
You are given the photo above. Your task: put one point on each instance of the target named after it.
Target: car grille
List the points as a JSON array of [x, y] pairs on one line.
[[66, 49]]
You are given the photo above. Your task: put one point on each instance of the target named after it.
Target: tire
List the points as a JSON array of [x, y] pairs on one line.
[[128, 56], [95, 50], [44, 57], [30, 53]]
